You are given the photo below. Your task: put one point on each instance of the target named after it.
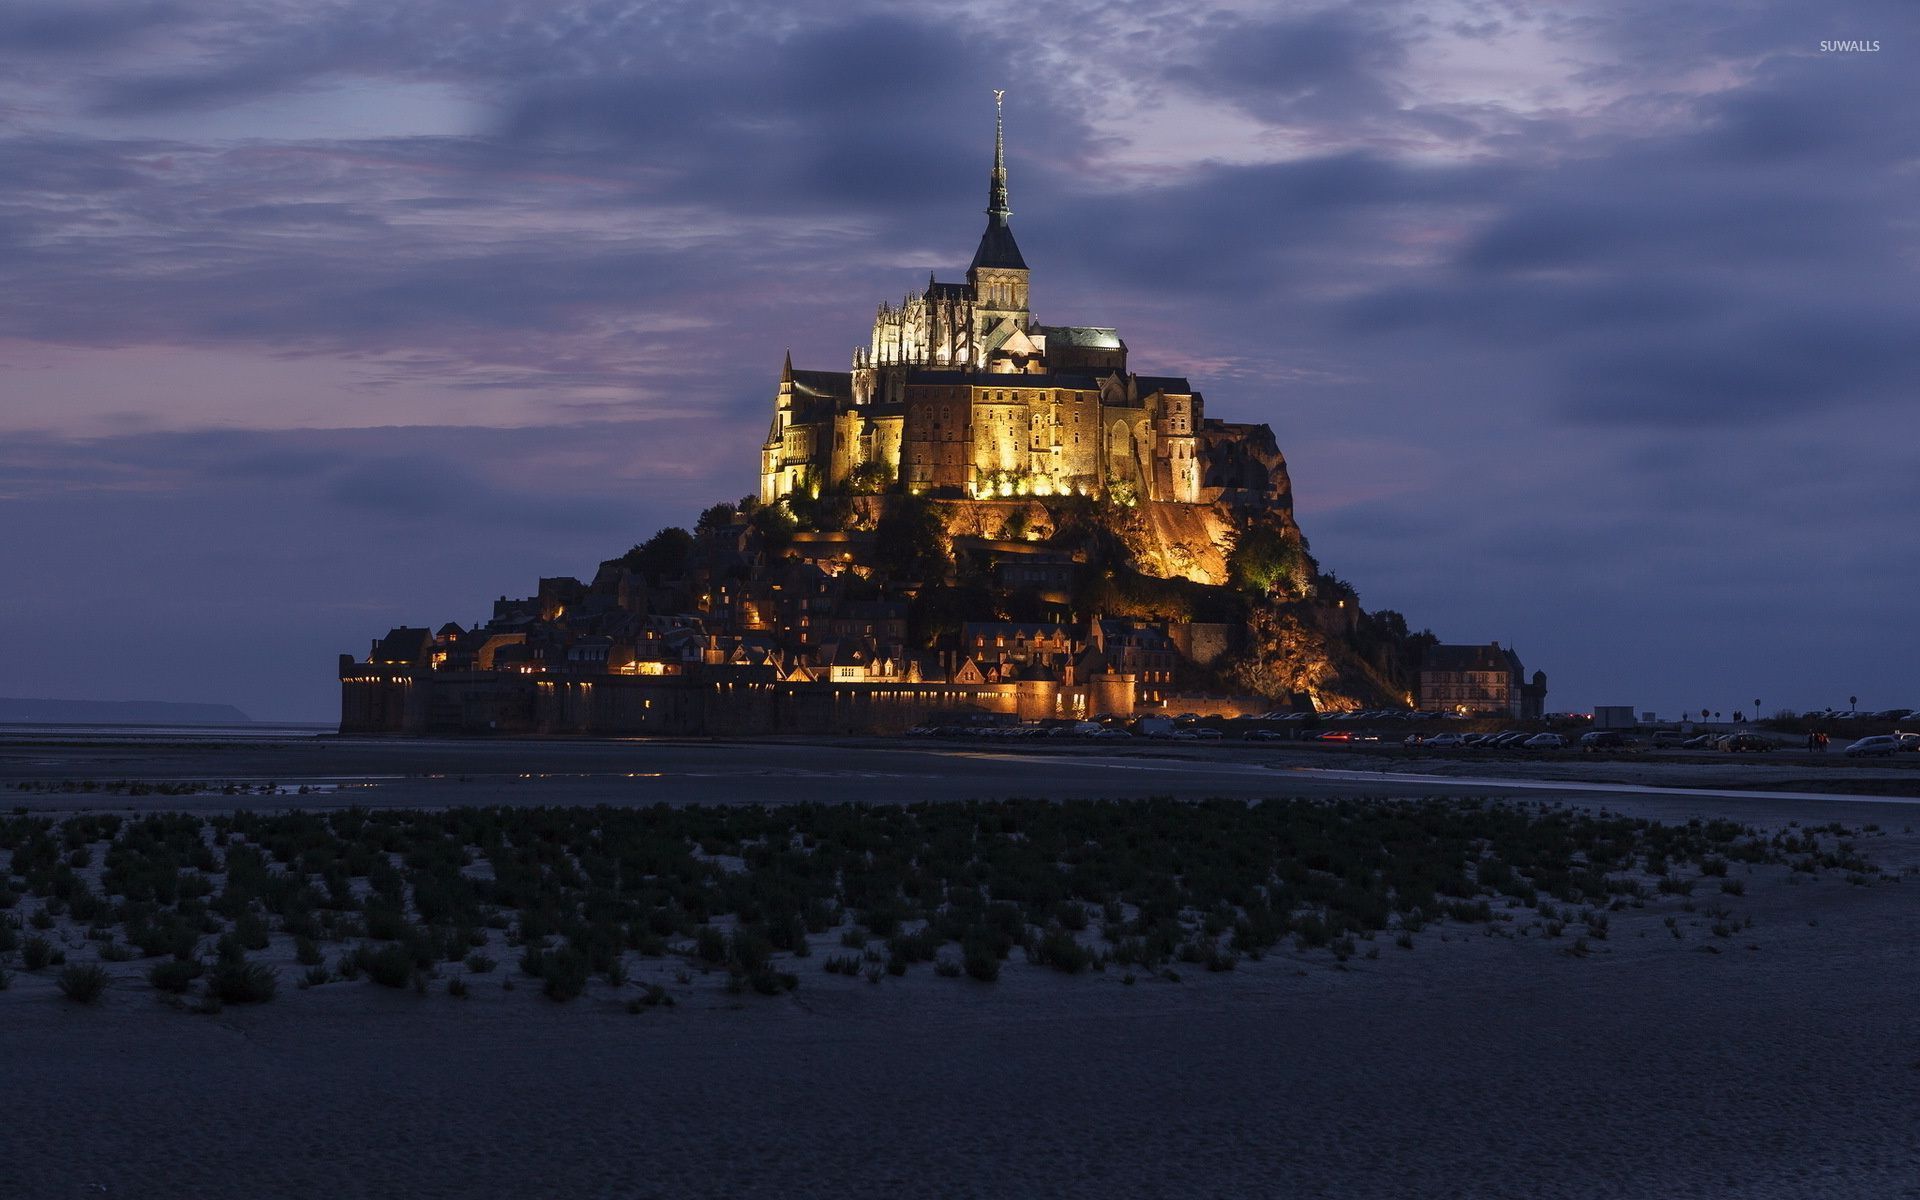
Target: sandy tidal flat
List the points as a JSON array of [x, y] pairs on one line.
[[1780, 1060]]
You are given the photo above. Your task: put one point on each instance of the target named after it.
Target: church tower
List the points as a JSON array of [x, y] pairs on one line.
[[998, 272]]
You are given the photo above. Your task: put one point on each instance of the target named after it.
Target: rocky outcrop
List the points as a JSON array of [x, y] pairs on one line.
[[1290, 653], [1179, 541], [1241, 468]]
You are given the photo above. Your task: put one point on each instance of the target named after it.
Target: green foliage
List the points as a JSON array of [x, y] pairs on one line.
[[1265, 561], [829, 512], [870, 479], [775, 524]]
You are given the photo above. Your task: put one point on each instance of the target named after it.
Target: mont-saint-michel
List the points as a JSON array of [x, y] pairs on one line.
[[968, 745], [985, 514]]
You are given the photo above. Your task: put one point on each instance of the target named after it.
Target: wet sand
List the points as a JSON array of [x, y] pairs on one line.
[[1783, 1061]]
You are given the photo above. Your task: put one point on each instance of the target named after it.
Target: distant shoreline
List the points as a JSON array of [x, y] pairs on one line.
[[44, 710]]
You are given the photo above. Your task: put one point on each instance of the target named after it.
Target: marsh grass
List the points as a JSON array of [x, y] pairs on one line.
[[243, 982], [563, 974], [390, 965], [651, 996], [174, 975], [83, 983], [1074, 884]]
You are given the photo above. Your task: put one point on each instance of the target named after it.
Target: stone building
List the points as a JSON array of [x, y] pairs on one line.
[[960, 391], [1480, 679]]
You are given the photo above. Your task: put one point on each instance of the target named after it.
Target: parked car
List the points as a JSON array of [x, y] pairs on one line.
[[1545, 741], [1702, 741], [1668, 738], [1208, 735], [1445, 741], [1909, 742], [1603, 739], [1746, 743], [1264, 735], [1334, 735], [1879, 745]]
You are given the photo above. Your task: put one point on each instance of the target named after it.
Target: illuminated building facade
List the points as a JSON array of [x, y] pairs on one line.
[[961, 392]]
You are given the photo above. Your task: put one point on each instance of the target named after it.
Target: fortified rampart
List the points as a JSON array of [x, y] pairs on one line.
[[705, 701]]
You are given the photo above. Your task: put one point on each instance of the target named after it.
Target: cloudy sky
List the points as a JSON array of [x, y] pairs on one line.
[[1589, 327]]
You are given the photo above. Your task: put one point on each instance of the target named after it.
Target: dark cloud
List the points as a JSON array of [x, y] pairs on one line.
[[1334, 65], [1806, 367], [1610, 348], [63, 27]]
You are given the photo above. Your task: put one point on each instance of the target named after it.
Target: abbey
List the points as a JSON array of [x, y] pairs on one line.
[[960, 392]]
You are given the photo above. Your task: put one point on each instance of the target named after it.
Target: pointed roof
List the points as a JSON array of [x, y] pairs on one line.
[[997, 248]]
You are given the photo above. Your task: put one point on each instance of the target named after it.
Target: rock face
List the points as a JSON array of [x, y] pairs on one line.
[[1244, 484], [1000, 520], [1181, 541], [1291, 653], [1243, 469]]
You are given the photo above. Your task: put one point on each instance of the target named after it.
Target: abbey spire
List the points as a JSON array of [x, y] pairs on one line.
[[998, 250], [997, 189]]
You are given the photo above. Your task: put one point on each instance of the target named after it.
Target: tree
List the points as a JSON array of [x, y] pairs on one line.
[[662, 556], [775, 525], [1264, 560], [939, 611], [870, 479], [719, 516], [910, 543]]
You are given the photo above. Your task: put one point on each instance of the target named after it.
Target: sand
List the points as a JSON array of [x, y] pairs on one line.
[[1475, 1066]]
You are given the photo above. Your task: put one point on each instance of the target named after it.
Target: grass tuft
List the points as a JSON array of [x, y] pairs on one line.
[[83, 983], [243, 982]]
